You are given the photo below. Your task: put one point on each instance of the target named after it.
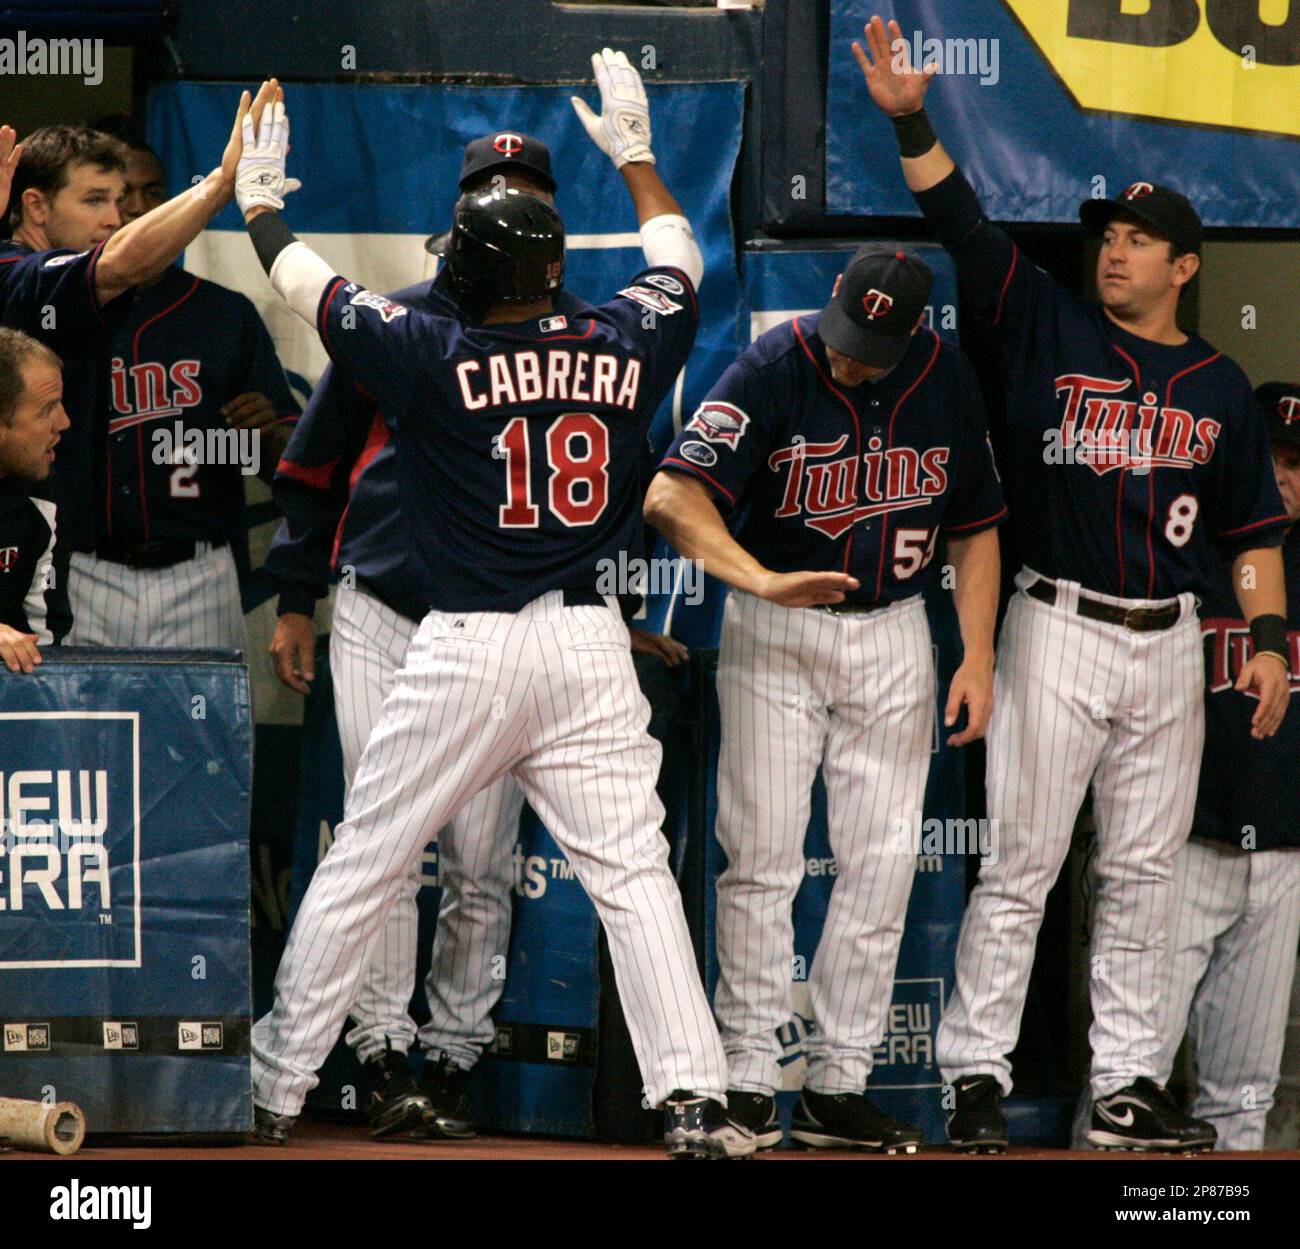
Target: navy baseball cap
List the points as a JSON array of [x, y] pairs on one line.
[[507, 149], [1281, 404], [875, 305], [503, 149], [1164, 209]]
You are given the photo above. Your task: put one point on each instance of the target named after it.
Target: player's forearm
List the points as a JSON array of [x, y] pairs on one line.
[[666, 235], [140, 251], [650, 196], [1259, 582], [297, 274], [977, 580], [682, 509]]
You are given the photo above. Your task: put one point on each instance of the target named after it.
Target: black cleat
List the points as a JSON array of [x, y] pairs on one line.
[[851, 1121], [699, 1127], [450, 1114], [977, 1124], [395, 1105], [1144, 1117], [757, 1113], [269, 1129]]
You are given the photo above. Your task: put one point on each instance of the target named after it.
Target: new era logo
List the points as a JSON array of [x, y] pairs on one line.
[[23, 1037], [561, 1046], [121, 1036], [198, 1036]]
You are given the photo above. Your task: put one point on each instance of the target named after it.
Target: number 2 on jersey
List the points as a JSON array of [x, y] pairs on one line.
[[577, 453]]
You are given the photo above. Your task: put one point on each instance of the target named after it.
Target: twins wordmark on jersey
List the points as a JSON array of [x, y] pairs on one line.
[[1229, 648], [859, 479], [188, 347]]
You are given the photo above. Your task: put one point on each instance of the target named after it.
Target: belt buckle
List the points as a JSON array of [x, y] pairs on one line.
[[1135, 617]]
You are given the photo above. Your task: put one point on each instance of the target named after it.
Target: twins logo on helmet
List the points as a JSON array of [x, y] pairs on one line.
[[719, 422]]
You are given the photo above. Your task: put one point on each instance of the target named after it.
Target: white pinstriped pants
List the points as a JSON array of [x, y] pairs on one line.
[[550, 694], [191, 604], [368, 641], [1232, 960], [853, 694], [1079, 702]]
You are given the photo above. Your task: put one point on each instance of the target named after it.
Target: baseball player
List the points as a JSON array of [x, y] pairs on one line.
[[849, 442], [33, 564], [337, 486], [518, 460], [67, 264], [1236, 917], [198, 400], [1137, 464]]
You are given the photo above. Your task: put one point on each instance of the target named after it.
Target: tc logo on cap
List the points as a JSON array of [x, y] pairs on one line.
[[877, 303], [8, 557], [1288, 408], [1138, 190], [508, 144]]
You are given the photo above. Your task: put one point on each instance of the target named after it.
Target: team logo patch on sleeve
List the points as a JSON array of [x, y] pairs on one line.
[[385, 307], [698, 453], [719, 422], [55, 262], [655, 300]]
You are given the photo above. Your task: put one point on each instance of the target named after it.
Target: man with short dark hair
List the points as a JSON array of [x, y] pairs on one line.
[[33, 565], [1137, 468]]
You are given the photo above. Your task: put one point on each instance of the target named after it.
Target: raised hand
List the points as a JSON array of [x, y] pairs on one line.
[[622, 131], [11, 153], [260, 180], [895, 86]]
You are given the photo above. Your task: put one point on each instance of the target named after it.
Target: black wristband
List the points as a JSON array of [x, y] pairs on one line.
[[270, 237], [915, 134], [1269, 634]]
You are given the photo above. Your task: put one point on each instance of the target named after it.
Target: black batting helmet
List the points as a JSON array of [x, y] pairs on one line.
[[504, 245]]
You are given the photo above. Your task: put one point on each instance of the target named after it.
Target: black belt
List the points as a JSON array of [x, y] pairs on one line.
[[1138, 619], [851, 609], [161, 553], [583, 598]]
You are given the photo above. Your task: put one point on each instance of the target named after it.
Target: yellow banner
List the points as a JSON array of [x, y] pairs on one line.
[[1228, 63]]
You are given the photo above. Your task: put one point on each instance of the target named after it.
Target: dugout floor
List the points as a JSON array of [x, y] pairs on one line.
[[351, 1143]]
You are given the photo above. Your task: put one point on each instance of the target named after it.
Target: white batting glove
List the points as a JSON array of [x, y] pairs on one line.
[[259, 177], [622, 131]]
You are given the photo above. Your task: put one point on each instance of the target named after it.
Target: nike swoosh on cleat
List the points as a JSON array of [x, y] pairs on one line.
[[1120, 1121]]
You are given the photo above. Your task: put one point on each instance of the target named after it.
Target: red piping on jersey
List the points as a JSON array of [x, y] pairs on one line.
[[1169, 398], [974, 524], [853, 412], [376, 439], [1006, 283], [1255, 524], [1119, 489], [139, 429], [699, 472], [889, 442], [316, 476]]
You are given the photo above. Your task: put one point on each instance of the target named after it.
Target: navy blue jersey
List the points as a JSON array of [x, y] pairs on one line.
[[337, 483], [1247, 784], [520, 447], [857, 479], [51, 296], [1132, 467], [188, 347], [33, 560]]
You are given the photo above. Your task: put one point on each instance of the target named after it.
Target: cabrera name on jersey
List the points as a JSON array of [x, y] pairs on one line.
[[519, 446]]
